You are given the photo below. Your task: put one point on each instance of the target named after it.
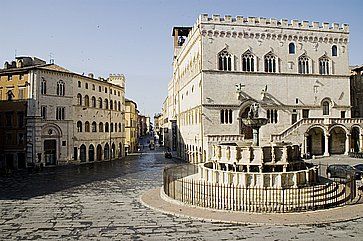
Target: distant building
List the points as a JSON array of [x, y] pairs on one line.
[[69, 117], [131, 142], [158, 126]]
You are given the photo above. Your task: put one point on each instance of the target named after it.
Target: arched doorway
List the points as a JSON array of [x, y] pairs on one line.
[[113, 151], [82, 154], [315, 141], [50, 152], [337, 140], [355, 143], [99, 152], [91, 153], [106, 152], [245, 130]]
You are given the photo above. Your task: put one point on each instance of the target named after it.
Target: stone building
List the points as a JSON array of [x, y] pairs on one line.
[[356, 91], [131, 142], [296, 71], [69, 117]]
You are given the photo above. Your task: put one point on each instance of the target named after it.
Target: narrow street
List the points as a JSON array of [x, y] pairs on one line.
[[101, 201]]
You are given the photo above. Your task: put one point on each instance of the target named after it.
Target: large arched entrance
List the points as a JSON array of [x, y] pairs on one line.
[[315, 141], [99, 152], [91, 153], [355, 143], [337, 140], [83, 153], [106, 152], [245, 130]]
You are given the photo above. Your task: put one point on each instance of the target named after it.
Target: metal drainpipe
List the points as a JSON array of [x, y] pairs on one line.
[[110, 111]]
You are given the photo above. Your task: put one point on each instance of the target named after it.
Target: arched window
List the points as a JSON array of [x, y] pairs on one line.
[[93, 100], [324, 65], [86, 126], [225, 61], [79, 126], [326, 107], [248, 62], [86, 100], [100, 127], [60, 88], [270, 63], [100, 103], [119, 127], [119, 106], [106, 104], [111, 127], [334, 50], [115, 105], [291, 48], [303, 64], [111, 104], [43, 87], [79, 99], [79, 84], [107, 127], [94, 126]]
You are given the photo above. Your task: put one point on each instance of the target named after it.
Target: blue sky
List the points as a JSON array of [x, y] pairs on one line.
[[133, 37]]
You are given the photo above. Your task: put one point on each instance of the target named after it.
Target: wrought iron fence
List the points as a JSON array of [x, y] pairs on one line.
[[179, 184]]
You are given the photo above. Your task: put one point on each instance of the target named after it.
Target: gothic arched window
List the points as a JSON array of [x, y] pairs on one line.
[[93, 101], [248, 62], [60, 88], [326, 107], [86, 126], [270, 63], [303, 64], [79, 126], [43, 87], [79, 99], [225, 61], [86, 100], [324, 65]]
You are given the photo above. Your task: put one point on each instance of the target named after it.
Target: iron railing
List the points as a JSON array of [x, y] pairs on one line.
[[179, 184]]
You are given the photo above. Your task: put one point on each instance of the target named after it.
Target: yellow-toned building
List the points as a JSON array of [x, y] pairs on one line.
[[131, 141]]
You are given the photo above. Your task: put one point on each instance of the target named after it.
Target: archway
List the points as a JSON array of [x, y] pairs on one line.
[[337, 140], [99, 152], [113, 151], [83, 153], [355, 143], [106, 152], [50, 152], [91, 153], [245, 130], [315, 141]]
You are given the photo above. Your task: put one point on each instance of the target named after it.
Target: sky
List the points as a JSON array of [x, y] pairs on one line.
[[133, 37]]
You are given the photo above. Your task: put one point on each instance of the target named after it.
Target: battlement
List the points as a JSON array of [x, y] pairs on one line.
[[271, 22]]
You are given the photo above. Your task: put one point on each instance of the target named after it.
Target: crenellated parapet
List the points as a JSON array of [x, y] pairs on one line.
[[274, 23]]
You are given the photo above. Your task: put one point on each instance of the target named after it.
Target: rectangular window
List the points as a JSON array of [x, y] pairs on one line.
[[99, 88], [86, 85], [43, 112], [342, 114], [293, 118], [21, 119], [60, 113], [64, 143], [305, 113], [93, 87], [21, 93], [8, 139], [20, 139], [79, 84], [9, 119]]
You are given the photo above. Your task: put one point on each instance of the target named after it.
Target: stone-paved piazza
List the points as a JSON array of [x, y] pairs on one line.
[[101, 201]]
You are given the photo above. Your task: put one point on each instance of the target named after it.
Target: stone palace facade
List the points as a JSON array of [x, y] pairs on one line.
[[296, 71], [68, 117]]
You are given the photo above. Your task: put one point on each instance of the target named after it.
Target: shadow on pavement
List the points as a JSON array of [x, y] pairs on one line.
[[23, 185]]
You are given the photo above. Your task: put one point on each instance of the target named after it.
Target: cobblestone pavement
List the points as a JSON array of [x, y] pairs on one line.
[[101, 202]]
